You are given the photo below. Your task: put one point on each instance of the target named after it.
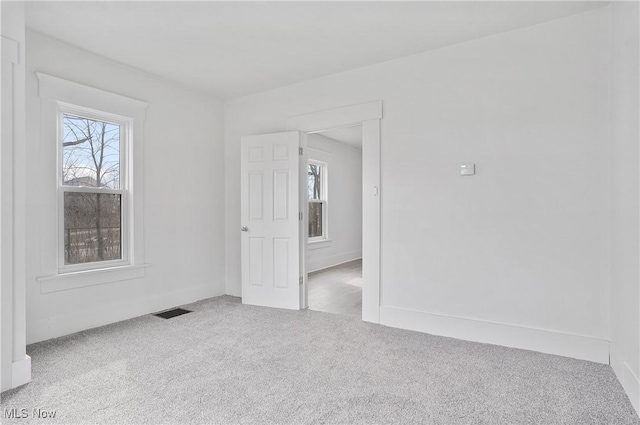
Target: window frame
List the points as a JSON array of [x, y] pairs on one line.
[[324, 199], [125, 124]]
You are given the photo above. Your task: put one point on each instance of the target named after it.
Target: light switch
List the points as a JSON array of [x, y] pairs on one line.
[[468, 169]]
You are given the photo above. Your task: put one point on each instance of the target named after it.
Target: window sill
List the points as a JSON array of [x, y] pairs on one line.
[[80, 279], [318, 244]]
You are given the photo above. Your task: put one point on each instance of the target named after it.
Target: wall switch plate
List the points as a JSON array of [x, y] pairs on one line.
[[468, 169]]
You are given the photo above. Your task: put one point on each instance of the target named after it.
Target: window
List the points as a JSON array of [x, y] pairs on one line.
[[90, 169], [93, 189], [317, 189]]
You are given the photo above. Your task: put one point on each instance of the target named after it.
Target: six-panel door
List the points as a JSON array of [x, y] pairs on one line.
[[270, 227]]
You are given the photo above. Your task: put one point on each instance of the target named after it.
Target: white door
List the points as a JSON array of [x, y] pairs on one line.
[[270, 220]]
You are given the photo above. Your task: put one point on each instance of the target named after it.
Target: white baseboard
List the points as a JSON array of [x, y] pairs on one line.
[[21, 372], [627, 378], [321, 263], [545, 341], [57, 326]]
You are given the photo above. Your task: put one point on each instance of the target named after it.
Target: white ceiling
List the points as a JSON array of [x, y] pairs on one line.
[[350, 135], [230, 49]]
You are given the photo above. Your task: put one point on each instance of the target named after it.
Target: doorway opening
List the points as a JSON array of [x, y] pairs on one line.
[[334, 210]]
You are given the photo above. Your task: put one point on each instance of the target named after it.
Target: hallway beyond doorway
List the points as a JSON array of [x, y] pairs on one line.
[[337, 289]]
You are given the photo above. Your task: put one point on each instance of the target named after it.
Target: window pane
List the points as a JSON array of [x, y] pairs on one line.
[[92, 227], [314, 173], [315, 219], [90, 153]]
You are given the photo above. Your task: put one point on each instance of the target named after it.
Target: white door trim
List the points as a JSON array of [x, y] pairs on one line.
[[304, 220], [10, 50], [369, 115], [15, 365], [337, 117]]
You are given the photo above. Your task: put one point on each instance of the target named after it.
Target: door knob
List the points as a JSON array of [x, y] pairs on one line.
[[244, 228]]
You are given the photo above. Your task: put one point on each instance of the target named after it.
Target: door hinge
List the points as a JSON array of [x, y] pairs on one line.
[[300, 280], [300, 216], [300, 151]]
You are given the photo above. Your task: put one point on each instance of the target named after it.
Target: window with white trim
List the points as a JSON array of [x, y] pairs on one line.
[[317, 190], [93, 186], [91, 163]]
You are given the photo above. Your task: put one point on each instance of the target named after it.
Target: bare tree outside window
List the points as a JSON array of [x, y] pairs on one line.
[[92, 218], [91, 153], [317, 202], [314, 181]]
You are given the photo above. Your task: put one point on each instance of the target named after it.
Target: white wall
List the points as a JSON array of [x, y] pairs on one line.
[[625, 188], [520, 249], [344, 164], [183, 197], [15, 365]]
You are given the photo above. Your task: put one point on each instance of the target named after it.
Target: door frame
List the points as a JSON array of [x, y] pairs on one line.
[[368, 115]]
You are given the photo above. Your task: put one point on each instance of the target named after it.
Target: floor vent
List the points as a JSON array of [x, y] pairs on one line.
[[172, 313]]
